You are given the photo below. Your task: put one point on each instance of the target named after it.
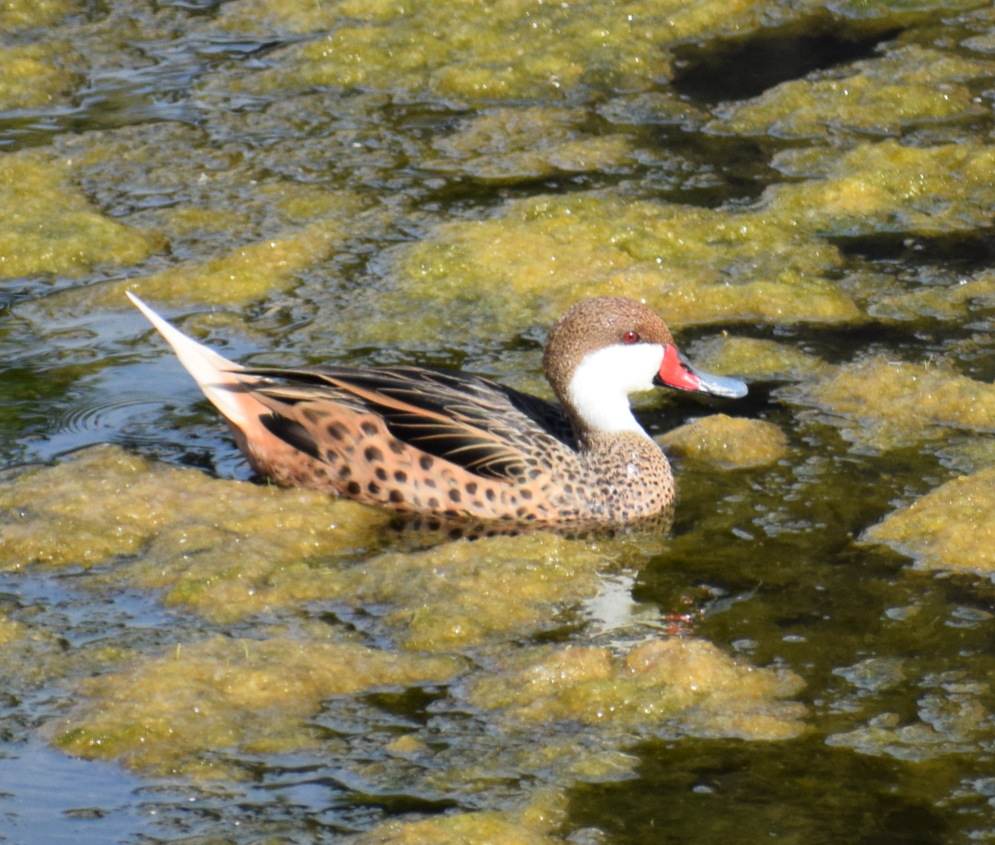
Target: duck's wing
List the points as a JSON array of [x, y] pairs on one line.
[[488, 429], [479, 426], [547, 415]]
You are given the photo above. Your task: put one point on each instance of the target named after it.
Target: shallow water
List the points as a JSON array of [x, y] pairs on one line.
[[802, 190]]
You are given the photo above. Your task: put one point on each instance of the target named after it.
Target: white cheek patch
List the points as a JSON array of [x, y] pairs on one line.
[[600, 387]]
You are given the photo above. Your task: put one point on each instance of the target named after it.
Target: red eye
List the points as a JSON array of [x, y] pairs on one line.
[[631, 337]]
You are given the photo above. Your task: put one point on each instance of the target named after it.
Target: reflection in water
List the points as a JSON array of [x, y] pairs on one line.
[[156, 87], [46, 796]]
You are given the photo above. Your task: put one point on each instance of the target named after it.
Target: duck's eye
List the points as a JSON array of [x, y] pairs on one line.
[[631, 337]]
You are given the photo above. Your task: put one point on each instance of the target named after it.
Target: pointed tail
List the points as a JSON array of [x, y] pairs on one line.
[[217, 376]]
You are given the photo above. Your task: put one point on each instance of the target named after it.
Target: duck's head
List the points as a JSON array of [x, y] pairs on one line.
[[605, 348]]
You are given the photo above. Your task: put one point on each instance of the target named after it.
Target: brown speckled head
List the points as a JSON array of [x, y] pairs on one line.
[[594, 324]]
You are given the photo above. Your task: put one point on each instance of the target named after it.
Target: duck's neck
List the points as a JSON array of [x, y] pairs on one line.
[[600, 418], [597, 392], [608, 417], [600, 441]]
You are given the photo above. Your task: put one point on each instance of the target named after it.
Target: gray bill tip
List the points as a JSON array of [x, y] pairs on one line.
[[730, 388]]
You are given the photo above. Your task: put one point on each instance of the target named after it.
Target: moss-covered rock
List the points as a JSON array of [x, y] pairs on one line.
[[886, 188], [504, 146], [951, 528], [881, 404], [51, 227], [911, 85], [727, 442], [676, 682], [35, 75], [105, 503], [172, 712]]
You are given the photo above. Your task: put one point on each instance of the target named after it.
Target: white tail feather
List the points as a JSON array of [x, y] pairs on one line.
[[216, 375]]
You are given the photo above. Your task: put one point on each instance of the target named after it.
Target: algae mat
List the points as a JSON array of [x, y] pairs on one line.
[[802, 189]]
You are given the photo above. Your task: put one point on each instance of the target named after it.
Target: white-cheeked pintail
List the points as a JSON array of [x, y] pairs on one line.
[[451, 445]]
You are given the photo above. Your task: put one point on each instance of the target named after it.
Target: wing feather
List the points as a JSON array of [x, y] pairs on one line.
[[472, 422]]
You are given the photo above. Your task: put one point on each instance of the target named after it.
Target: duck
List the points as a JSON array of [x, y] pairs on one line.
[[451, 445]]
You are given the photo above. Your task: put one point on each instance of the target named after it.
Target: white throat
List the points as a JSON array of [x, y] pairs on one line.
[[600, 386]]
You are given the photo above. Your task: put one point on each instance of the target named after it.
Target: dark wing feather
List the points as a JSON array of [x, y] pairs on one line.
[[475, 423], [547, 415], [292, 432]]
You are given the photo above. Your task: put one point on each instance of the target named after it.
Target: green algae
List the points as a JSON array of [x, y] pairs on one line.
[[246, 273], [35, 75], [516, 49], [685, 684], [456, 758], [229, 550], [351, 143], [213, 202], [650, 108], [692, 265], [949, 302], [242, 238], [105, 503], [754, 359], [504, 146], [10, 630], [32, 656], [881, 404], [887, 187], [968, 453], [951, 528], [454, 50], [908, 86], [168, 713], [727, 442], [980, 43], [455, 596], [463, 594], [535, 824], [29, 14], [873, 674], [52, 227], [248, 239]]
